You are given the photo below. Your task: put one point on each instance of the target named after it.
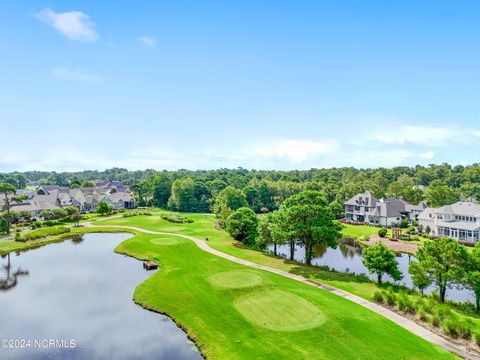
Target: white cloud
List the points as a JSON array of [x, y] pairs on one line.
[[477, 133], [75, 25], [297, 150], [147, 41], [76, 74], [423, 135], [427, 155]]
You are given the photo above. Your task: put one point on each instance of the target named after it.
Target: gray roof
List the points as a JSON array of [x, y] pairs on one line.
[[425, 214], [420, 207], [460, 208], [390, 207], [459, 225], [362, 199]]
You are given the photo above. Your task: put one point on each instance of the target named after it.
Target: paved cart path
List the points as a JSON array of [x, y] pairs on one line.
[[404, 322]]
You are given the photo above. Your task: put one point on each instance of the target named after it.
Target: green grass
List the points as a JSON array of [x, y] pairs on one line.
[[258, 315], [42, 233], [279, 310], [204, 227], [275, 318], [237, 279], [234, 312], [356, 231]]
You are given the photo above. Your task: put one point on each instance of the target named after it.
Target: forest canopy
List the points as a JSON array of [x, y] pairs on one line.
[[265, 190]]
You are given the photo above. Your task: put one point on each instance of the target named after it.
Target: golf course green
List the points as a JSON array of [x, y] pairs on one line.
[[236, 279], [234, 312]]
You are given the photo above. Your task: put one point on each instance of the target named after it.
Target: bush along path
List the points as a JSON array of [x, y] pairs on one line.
[[446, 343]]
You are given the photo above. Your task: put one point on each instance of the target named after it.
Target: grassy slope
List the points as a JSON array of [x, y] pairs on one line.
[[182, 290]]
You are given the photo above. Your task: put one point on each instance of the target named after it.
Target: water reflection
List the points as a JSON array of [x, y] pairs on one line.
[[9, 278], [348, 258], [82, 290]]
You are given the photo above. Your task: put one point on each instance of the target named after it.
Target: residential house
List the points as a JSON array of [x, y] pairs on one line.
[[460, 221], [366, 208], [49, 197]]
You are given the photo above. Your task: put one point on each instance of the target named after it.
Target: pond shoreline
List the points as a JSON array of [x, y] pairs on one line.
[[172, 342], [146, 307]]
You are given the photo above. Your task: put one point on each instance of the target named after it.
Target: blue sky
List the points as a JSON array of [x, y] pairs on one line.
[[259, 84]]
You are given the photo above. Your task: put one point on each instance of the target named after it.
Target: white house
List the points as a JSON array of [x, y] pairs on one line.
[[366, 208], [460, 221]]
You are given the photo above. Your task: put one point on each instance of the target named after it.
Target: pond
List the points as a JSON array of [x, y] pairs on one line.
[[79, 293], [348, 258]]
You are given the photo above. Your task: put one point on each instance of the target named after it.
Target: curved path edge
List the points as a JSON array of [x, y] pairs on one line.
[[400, 320]]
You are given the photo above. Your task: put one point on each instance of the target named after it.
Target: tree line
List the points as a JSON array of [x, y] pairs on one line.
[[265, 191]]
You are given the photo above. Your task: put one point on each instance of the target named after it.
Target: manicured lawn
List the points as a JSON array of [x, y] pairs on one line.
[[204, 227], [233, 312], [356, 231]]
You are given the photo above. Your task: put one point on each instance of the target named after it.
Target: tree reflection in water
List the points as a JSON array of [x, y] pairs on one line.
[[9, 278]]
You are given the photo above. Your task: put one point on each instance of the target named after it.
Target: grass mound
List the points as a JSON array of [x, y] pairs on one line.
[[166, 241], [238, 279], [279, 310]]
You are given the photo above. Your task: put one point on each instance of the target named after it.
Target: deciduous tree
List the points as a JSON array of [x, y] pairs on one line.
[[419, 276], [311, 221], [242, 225], [472, 274], [444, 262], [379, 260]]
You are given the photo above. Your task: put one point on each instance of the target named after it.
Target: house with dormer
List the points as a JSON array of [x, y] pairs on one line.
[[459, 221], [367, 209]]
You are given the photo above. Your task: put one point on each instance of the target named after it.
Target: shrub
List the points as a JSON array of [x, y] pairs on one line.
[[177, 219], [42, 233], [404, 223], [404, 303], [422, 314], [378, 297], [382, 232], [465, 329], [435, 320], [443, 312], [53, 214], [401, 300], [450, 326], [420, 303], [476, 337], [50, 223], [409, 306], [363, 238], [391, 298], [136, 213], [36, 225]]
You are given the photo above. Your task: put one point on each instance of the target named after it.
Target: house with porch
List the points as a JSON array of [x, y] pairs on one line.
[[459, 221], [366, 208]]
